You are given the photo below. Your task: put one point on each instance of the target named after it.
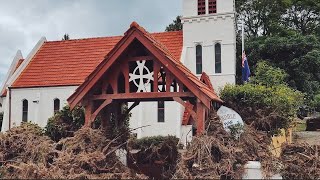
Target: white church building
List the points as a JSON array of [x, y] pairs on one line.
[[40, 84]]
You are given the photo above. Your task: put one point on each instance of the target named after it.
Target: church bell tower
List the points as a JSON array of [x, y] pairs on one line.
[[209, 39]]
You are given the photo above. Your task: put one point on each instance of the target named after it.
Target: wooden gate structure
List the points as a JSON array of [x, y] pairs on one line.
[[139, 68]]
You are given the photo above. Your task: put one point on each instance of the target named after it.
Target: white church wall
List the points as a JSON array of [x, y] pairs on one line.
[[224, 6], [40, 103], [146, 114], [219, 81]]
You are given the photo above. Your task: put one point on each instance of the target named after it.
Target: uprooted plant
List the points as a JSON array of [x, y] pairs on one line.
[[26, 153], [218, 155], [300, 161], [158, 151]]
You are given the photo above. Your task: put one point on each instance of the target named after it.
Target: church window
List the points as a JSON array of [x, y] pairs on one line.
[[56, 105], [198, 59], [212, 6], [25, 110], [217, 58], [160, 111], [201, 7]]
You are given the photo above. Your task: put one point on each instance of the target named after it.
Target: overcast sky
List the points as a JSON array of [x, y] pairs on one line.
[[24, 22]]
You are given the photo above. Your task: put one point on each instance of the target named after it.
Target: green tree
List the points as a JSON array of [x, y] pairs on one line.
[[316, 102], [298, 56], [65, 122], [303, 16], [176, 25], [268, 75], [278, 17], [261, 17]]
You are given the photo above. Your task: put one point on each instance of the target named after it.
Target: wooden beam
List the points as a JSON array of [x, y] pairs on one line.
[[169, 80], [88, 113], [156, 69], [125, 71], [200, 117], [144, 95], [96, 112], [140, 58], [180, 101]]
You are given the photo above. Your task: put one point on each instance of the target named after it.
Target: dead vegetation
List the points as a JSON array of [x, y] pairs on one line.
[[26, 153], [301, 161], [218, 155], [151, 153]]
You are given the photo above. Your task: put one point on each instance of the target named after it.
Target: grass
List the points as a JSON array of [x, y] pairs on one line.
[[300, 126]]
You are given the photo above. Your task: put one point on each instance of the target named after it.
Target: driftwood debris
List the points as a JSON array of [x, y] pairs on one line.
[[26, 153]]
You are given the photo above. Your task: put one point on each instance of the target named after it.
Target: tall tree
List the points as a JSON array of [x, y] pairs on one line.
[[176, 25], [303, 16], [261, 17], [298, 55]]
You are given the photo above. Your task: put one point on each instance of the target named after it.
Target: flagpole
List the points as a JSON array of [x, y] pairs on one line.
[[242, 32]]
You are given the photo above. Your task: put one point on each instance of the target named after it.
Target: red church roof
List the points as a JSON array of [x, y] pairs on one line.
[[66, 63]]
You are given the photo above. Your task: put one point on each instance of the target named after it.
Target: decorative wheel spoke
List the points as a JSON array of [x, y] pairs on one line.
[[138, 75]]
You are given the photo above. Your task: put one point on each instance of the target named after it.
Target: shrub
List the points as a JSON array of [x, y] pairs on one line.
[[268, 75], [267, 108], [316, 102], [65, 122]]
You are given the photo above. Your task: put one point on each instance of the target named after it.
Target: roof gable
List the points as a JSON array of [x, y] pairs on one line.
[[160, 52]]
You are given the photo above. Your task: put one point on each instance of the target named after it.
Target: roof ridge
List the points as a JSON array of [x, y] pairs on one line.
[[114, 36], [89, 38]]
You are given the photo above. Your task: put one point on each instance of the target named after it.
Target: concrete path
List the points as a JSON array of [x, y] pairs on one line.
[[311, 137]]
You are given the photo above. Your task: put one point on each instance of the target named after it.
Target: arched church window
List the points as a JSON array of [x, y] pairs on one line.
[[56, 105], [198, 59], [25, 110], [212, 6], [201, 7], [217, 48]]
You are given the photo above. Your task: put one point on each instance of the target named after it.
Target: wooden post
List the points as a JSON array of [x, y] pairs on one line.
[[168, 82], [88, 113], [126, 77], [155, 77], [200, 117]]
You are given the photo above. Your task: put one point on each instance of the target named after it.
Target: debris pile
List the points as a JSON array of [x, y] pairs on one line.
[[219, 155], [263, 119], [25, 154], [154, 156], [300, 161]]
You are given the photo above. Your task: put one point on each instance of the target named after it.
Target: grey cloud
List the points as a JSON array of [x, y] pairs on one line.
[[23, 22]]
